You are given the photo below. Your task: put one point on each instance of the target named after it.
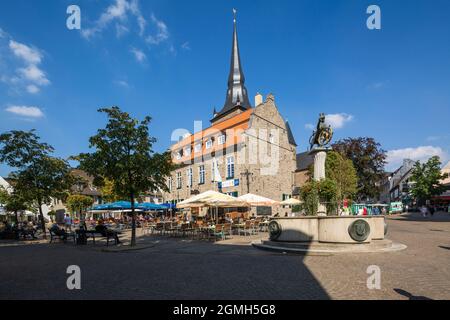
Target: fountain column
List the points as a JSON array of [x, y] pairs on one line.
[[320, 156]]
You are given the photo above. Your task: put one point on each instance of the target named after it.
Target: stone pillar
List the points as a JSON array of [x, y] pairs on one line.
[[320, 155], [319, 165]]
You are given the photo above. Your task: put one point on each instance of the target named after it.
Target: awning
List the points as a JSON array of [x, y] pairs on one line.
[[168, 205], [126, 205]]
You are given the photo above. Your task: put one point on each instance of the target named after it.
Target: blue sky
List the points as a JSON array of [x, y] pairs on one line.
[[170, 59]]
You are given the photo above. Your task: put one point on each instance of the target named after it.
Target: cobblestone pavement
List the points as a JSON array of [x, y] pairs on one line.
[[183, 269]]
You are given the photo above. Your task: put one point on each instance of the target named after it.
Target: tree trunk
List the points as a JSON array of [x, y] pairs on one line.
[[133, 222], [41, 217], [16, 225]]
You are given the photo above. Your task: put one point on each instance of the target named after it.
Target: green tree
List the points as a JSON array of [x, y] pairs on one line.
[[38, 174], [309, 193], [14, 201], [108, 193], [368, 159], [426, 179], [123, 154], [327, 195], [77, 203], [323, 191], [341, 170]]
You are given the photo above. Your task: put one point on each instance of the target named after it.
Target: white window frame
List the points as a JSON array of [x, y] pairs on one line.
[[222, 139], [198, 147], [201, 174], [169, 184], [189, 178], [230, 167], [187, 151], [179, 180], [209, 144]]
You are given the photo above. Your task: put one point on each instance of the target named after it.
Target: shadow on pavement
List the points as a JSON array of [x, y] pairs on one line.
[[409, 295], [174, 269]]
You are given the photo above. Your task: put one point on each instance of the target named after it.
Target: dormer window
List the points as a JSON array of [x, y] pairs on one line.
[[187, 151], [179, 154], [209, 144]]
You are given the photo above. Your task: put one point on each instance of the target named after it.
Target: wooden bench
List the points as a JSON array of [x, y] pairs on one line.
[[67, 235], [94, 234]]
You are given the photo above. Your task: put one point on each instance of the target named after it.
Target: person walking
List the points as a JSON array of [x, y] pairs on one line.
[[431, 210], [424, 211], [68, 222]]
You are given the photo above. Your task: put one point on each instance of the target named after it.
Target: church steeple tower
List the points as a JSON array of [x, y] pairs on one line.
[[237, 96]]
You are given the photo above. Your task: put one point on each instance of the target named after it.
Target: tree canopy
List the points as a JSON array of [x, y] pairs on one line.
[[108, 192], [124, 155], [14, 201], [77, 203], [341, 170], [323, 191], [369, 160], [426, 178], [38, 173]]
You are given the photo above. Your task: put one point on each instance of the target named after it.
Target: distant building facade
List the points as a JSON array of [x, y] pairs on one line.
[[396, 186]]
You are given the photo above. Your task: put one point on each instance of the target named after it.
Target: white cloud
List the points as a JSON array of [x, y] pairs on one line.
[[162, 32], [309, 126], [33, 89], [338, 120], [33, 74], [121, 30], [29, 55], [186, 46], [422, 153], [138, 54], [25, 111], [3, 34], [118, 12], [122, 83], [30, 75]]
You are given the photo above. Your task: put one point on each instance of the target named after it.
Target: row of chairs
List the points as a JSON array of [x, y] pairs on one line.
[[199, 231]]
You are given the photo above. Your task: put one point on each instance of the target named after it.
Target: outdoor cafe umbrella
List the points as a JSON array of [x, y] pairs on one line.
[[223, 201], [197, 200], [257, 201], [212, 199], [290, 202]]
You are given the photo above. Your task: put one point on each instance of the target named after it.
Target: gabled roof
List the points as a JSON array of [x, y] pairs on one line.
[[89, 189], [304, 161], [291, 138]]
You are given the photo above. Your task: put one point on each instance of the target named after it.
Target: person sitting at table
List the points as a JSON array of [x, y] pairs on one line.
[[228, 219], [58, 231], [104, 231]]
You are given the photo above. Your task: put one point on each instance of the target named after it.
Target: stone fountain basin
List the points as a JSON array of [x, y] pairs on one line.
[[327, 229]]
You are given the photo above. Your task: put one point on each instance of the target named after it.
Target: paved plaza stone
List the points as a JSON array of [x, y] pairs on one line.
[[173, 268]]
